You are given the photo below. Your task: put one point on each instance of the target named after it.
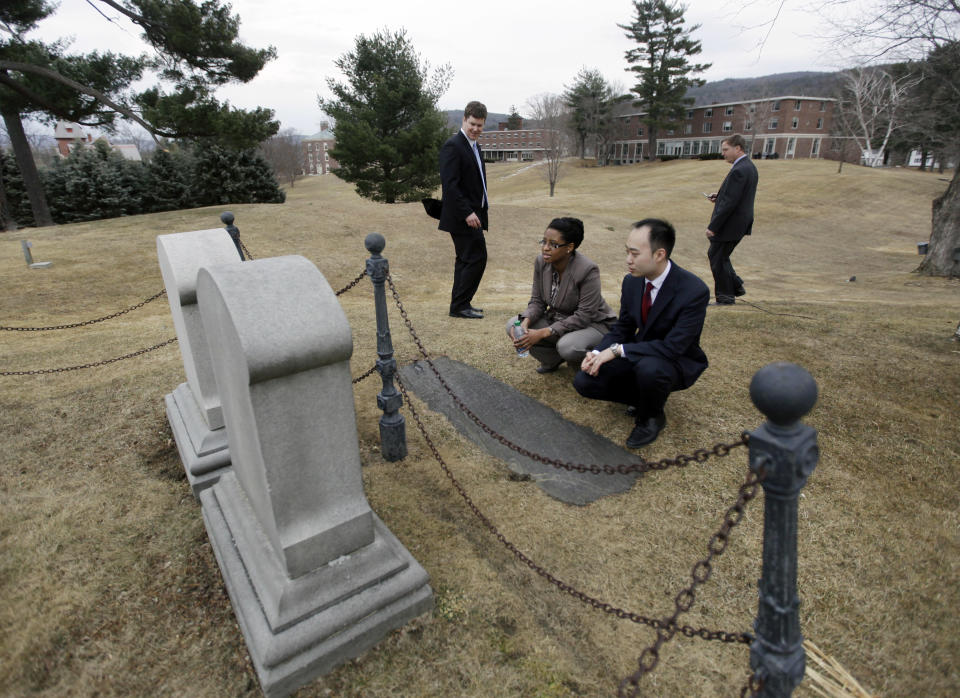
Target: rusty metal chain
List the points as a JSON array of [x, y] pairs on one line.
[[87, 322], [243, 247], [700, 573], [365, 375], [687, 630], [41, 371], [753, 686], [352, 283], [701, 455]]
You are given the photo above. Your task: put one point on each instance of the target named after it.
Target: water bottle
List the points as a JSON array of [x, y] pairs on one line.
[[518, 332]]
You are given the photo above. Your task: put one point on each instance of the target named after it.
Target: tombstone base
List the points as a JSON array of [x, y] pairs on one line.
[[40, 265], [203, 451], [289, 653]]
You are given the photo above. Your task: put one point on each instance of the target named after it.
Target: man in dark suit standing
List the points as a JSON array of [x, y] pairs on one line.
[[464, 209], [732, 219], [654, 346]]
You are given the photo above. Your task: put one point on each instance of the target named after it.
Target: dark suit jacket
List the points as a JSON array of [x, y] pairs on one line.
[[733, 210], [462, 186], [579, 303], [674, 323]]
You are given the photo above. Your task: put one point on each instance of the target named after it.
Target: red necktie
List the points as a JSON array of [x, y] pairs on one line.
[[647, 301]]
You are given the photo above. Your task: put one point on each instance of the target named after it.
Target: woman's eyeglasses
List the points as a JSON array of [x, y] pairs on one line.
[[554, 245]]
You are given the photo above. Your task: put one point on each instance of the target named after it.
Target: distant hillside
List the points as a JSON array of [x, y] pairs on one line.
[[806, 84], [455, 119]]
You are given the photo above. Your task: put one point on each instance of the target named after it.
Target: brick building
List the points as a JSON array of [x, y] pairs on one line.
[[512, 146], [781, 127], [316, 156]]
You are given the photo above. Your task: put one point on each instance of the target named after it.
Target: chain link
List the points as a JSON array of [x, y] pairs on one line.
[[352, 283], [659, 625], [700, 573], [41, 371], [87, 322], [365, 375], [701, 455], [246, 252]]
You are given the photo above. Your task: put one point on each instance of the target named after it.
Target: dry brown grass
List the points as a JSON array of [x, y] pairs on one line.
[[109, 586]]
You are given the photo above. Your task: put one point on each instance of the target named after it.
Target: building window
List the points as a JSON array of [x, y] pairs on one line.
[[728, 111], [815, 148], [695, 148], [774, 123], [823, 106], [688, 129], [660, 148], [753, 108], [669, 131], [707, 113], [835, 145], [820, 123], [639, 130], [747, 125], [686, 147], [796, 122], [707, 127], [727, 126], [689, 113], [776, 105], [796, 105]]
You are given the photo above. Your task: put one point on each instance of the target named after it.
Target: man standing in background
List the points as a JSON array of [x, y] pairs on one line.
[[732, 219], [464, 209]]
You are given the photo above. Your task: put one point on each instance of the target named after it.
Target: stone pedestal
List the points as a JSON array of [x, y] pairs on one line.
[[193, 409], [314, 576]]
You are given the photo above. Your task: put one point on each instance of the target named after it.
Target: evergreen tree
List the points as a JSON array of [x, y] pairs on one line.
[[224, 176], [388, 128], [592, 101], [514, 121], [661, 64], [196, 50], [167, 185], [13, 195]]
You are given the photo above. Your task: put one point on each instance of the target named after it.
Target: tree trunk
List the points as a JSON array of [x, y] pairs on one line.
[[652, 144], [7, 221], [552, 185], [943, 251], [28, 168]]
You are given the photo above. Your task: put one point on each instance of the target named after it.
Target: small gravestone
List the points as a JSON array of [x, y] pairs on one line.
[[193, 408], [25, 245], [314, 576]]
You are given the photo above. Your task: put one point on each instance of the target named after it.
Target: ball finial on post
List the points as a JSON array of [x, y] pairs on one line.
[[374, 242], [227, 218], [784, 392]]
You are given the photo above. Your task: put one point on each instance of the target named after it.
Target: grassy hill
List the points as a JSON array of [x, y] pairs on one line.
[[108, 583]]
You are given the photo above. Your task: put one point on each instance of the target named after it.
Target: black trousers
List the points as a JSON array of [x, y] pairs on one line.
[[645, 384], [471, 249], [725, 279]]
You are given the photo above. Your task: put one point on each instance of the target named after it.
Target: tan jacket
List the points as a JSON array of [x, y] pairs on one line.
[[579, 302]]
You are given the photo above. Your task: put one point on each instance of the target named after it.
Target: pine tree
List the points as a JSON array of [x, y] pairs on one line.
[[14, 196], [196, 50], [661, 64], [388, 128], [167, 181]]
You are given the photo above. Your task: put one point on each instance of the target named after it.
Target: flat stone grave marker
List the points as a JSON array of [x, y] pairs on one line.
[[527, 423]]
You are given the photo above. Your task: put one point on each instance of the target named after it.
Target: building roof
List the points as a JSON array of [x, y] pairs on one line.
[[321, 136]]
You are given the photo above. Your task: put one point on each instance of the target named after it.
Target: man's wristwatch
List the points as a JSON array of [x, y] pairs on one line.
[[617, 350]]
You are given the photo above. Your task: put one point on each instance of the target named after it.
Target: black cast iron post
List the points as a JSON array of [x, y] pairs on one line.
[[393, 430], [227, 219], [786, 451]]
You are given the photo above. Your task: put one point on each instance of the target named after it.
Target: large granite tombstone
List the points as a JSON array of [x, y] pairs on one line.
[[314, 576], [193, 408]]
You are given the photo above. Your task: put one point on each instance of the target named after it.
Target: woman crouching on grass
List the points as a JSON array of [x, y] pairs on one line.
[[566, 315]]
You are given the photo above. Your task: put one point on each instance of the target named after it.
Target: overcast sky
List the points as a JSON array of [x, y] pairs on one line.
[[502, 52]]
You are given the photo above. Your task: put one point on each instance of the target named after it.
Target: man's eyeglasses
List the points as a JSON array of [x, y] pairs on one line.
[[554, 245]]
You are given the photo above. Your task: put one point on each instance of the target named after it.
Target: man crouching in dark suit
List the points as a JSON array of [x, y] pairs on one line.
[[654, 346], [464, 209]]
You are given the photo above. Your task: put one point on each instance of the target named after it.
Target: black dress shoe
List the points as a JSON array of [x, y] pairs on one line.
[[478, 310], [741, 291], [543, 368], [724, 300], [468, 313], [646, 431]]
